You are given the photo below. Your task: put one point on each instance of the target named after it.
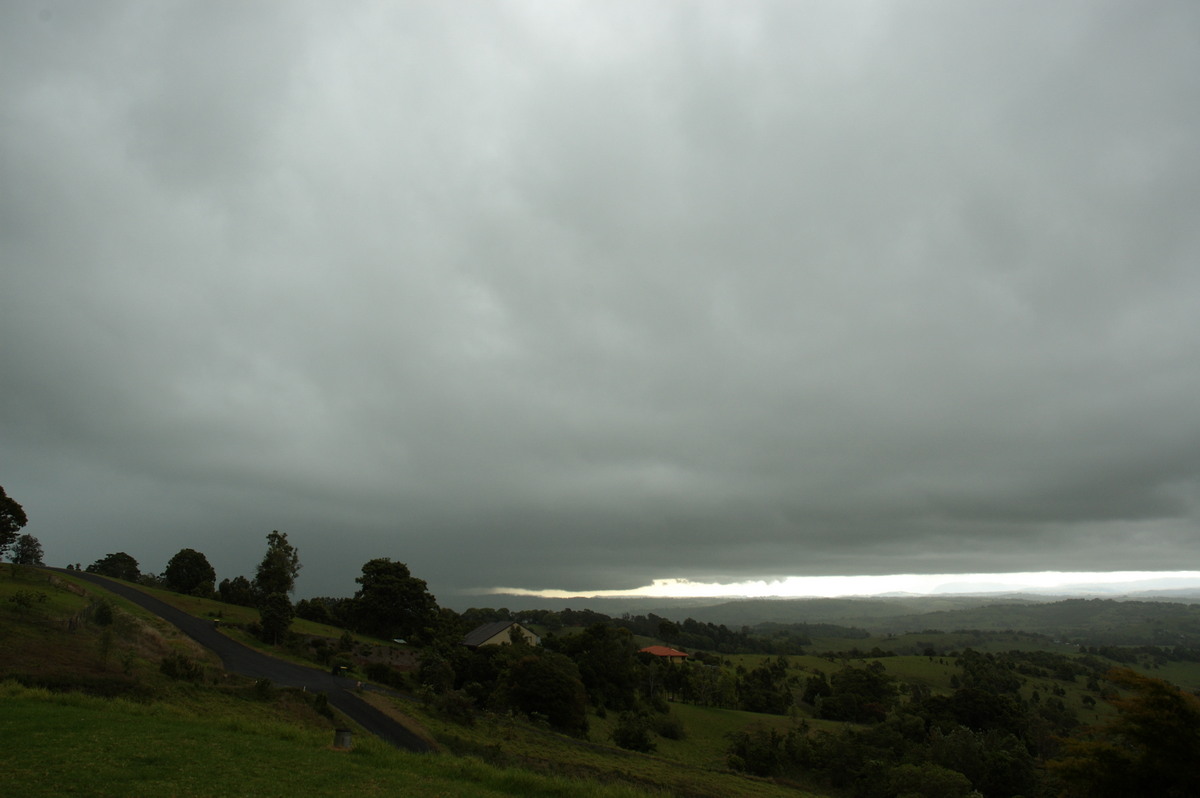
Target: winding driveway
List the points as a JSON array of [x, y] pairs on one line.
[[245, 661]]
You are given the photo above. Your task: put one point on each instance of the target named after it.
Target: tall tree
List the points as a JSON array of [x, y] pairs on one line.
[[27, 551], [12, 518], [277, 571], [276, 612], [190, 572], [118, 565], [392, 603]]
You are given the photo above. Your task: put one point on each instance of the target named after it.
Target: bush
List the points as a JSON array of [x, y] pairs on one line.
[[321, 650], [25, 599], [103, 614], [454, 705], [383, 673], [670, 727], [633, 732], [756, 750], [177, 666]]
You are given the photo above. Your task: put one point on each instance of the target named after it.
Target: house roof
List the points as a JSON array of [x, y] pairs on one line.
[[482, 634], [662, 651]]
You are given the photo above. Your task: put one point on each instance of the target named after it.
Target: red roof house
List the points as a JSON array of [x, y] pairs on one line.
[[669, 654]]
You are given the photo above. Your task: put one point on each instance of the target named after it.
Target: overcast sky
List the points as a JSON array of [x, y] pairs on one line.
[[583, 295]]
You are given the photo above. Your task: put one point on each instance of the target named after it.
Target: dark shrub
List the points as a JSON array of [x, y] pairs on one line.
[[633, 732], [177, 666], [103, 614]]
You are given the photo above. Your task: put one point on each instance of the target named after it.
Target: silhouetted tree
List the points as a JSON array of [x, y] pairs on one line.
[[237, 591], [118, 566], [189, 572], [392, 603], [608, 664], [315, 611], [27, 551], [547, 684], [12, 519], [275, 613], [279, 567]]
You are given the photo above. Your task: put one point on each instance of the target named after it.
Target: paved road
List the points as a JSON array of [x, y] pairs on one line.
[[245, 661]]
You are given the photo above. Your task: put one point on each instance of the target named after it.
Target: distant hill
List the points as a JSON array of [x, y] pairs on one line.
[[1095, 621], [1164, 617], [864, 612], [1092, 621]]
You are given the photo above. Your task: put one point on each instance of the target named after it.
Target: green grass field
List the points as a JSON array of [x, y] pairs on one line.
[[84, 746], [694, 766]]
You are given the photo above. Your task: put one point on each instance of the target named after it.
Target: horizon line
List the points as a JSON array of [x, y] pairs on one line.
[[866, 585]]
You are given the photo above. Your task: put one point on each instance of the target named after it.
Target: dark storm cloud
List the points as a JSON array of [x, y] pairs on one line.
[[584, 295]]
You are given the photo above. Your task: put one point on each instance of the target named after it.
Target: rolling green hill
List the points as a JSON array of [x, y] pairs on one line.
[[83, 688]]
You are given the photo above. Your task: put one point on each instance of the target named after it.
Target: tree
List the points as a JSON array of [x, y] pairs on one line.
[[608, 664], [860, 695], [27, 551], [276, 615], [392, 603], [314, 611], [928, 780], [765, 689], [237, 591], [12, 518], [279, 567], [189, 572], [118, 566], [547, 684], [1149, 748], [997, 763]]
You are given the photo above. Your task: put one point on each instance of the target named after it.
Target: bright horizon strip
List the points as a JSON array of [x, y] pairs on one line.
[[836, 586]]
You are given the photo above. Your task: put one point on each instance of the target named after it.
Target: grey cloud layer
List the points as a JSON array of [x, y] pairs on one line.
[[585, 294]]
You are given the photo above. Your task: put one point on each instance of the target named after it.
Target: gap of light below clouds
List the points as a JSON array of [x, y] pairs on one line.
[[921, 584]]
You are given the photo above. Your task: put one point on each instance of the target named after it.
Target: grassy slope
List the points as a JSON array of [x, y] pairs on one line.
[[185, 740], [693, 767], [84, 746]]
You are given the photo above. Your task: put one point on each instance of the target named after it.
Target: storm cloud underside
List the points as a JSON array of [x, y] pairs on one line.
[[583, 295]]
